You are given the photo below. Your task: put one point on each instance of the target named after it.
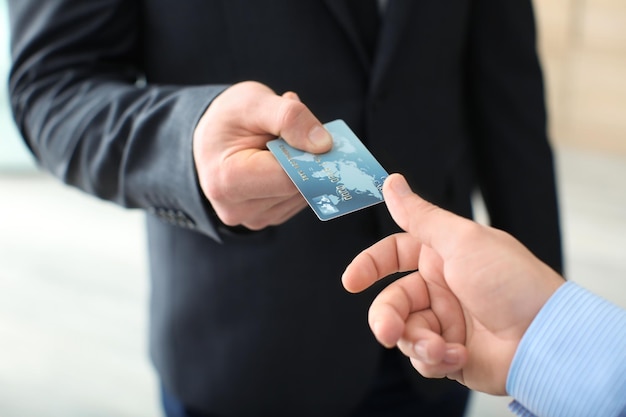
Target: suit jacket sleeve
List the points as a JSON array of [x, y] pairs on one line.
[[508, 118], [78, 101]]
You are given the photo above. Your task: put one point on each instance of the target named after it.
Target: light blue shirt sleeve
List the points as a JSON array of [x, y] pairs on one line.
[[572, 360]]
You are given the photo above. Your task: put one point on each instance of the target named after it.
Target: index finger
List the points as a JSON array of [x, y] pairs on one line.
[[395, 253], [255, 174]]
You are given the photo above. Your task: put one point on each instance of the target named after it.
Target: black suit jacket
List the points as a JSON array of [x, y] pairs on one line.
[[107, 94]]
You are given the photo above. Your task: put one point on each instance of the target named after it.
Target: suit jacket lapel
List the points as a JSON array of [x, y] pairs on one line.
[[340, 11], [394, 21]]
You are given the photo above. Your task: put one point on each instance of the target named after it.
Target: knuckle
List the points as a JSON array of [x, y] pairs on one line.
[[289, 112], [260, 221], [228, 218], [255, 226], [215, 192], [220, 188], [471, 231]]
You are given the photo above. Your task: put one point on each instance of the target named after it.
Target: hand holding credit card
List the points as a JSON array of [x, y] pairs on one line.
[[341, 181]]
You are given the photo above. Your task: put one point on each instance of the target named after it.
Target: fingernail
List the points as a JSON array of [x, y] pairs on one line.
[[400, 186], [375, 326], [376, 329], [420, 351], [451, 356], [320, 137]]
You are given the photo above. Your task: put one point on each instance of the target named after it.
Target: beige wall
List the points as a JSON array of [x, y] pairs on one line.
[[583, 47]]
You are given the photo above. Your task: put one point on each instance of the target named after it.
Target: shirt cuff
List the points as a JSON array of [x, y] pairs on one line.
[[572, 360]]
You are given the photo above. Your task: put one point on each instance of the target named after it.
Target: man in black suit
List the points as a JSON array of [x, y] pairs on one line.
[[149, 104]]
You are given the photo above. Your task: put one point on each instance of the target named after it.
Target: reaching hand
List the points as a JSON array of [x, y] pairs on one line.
[[241, 179], [473, 293]]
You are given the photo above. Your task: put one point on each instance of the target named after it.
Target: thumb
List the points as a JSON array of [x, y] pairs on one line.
[[319, 138], [301, 129], [429, 224], [290, 119], [254, 107]]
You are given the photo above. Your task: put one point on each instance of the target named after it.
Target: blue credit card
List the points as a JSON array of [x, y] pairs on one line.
[[341, 181]]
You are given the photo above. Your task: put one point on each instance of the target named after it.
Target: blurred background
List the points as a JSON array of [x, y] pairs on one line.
[[73, 308]]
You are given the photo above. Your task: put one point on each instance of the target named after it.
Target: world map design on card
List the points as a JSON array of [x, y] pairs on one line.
[[345, 179]]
